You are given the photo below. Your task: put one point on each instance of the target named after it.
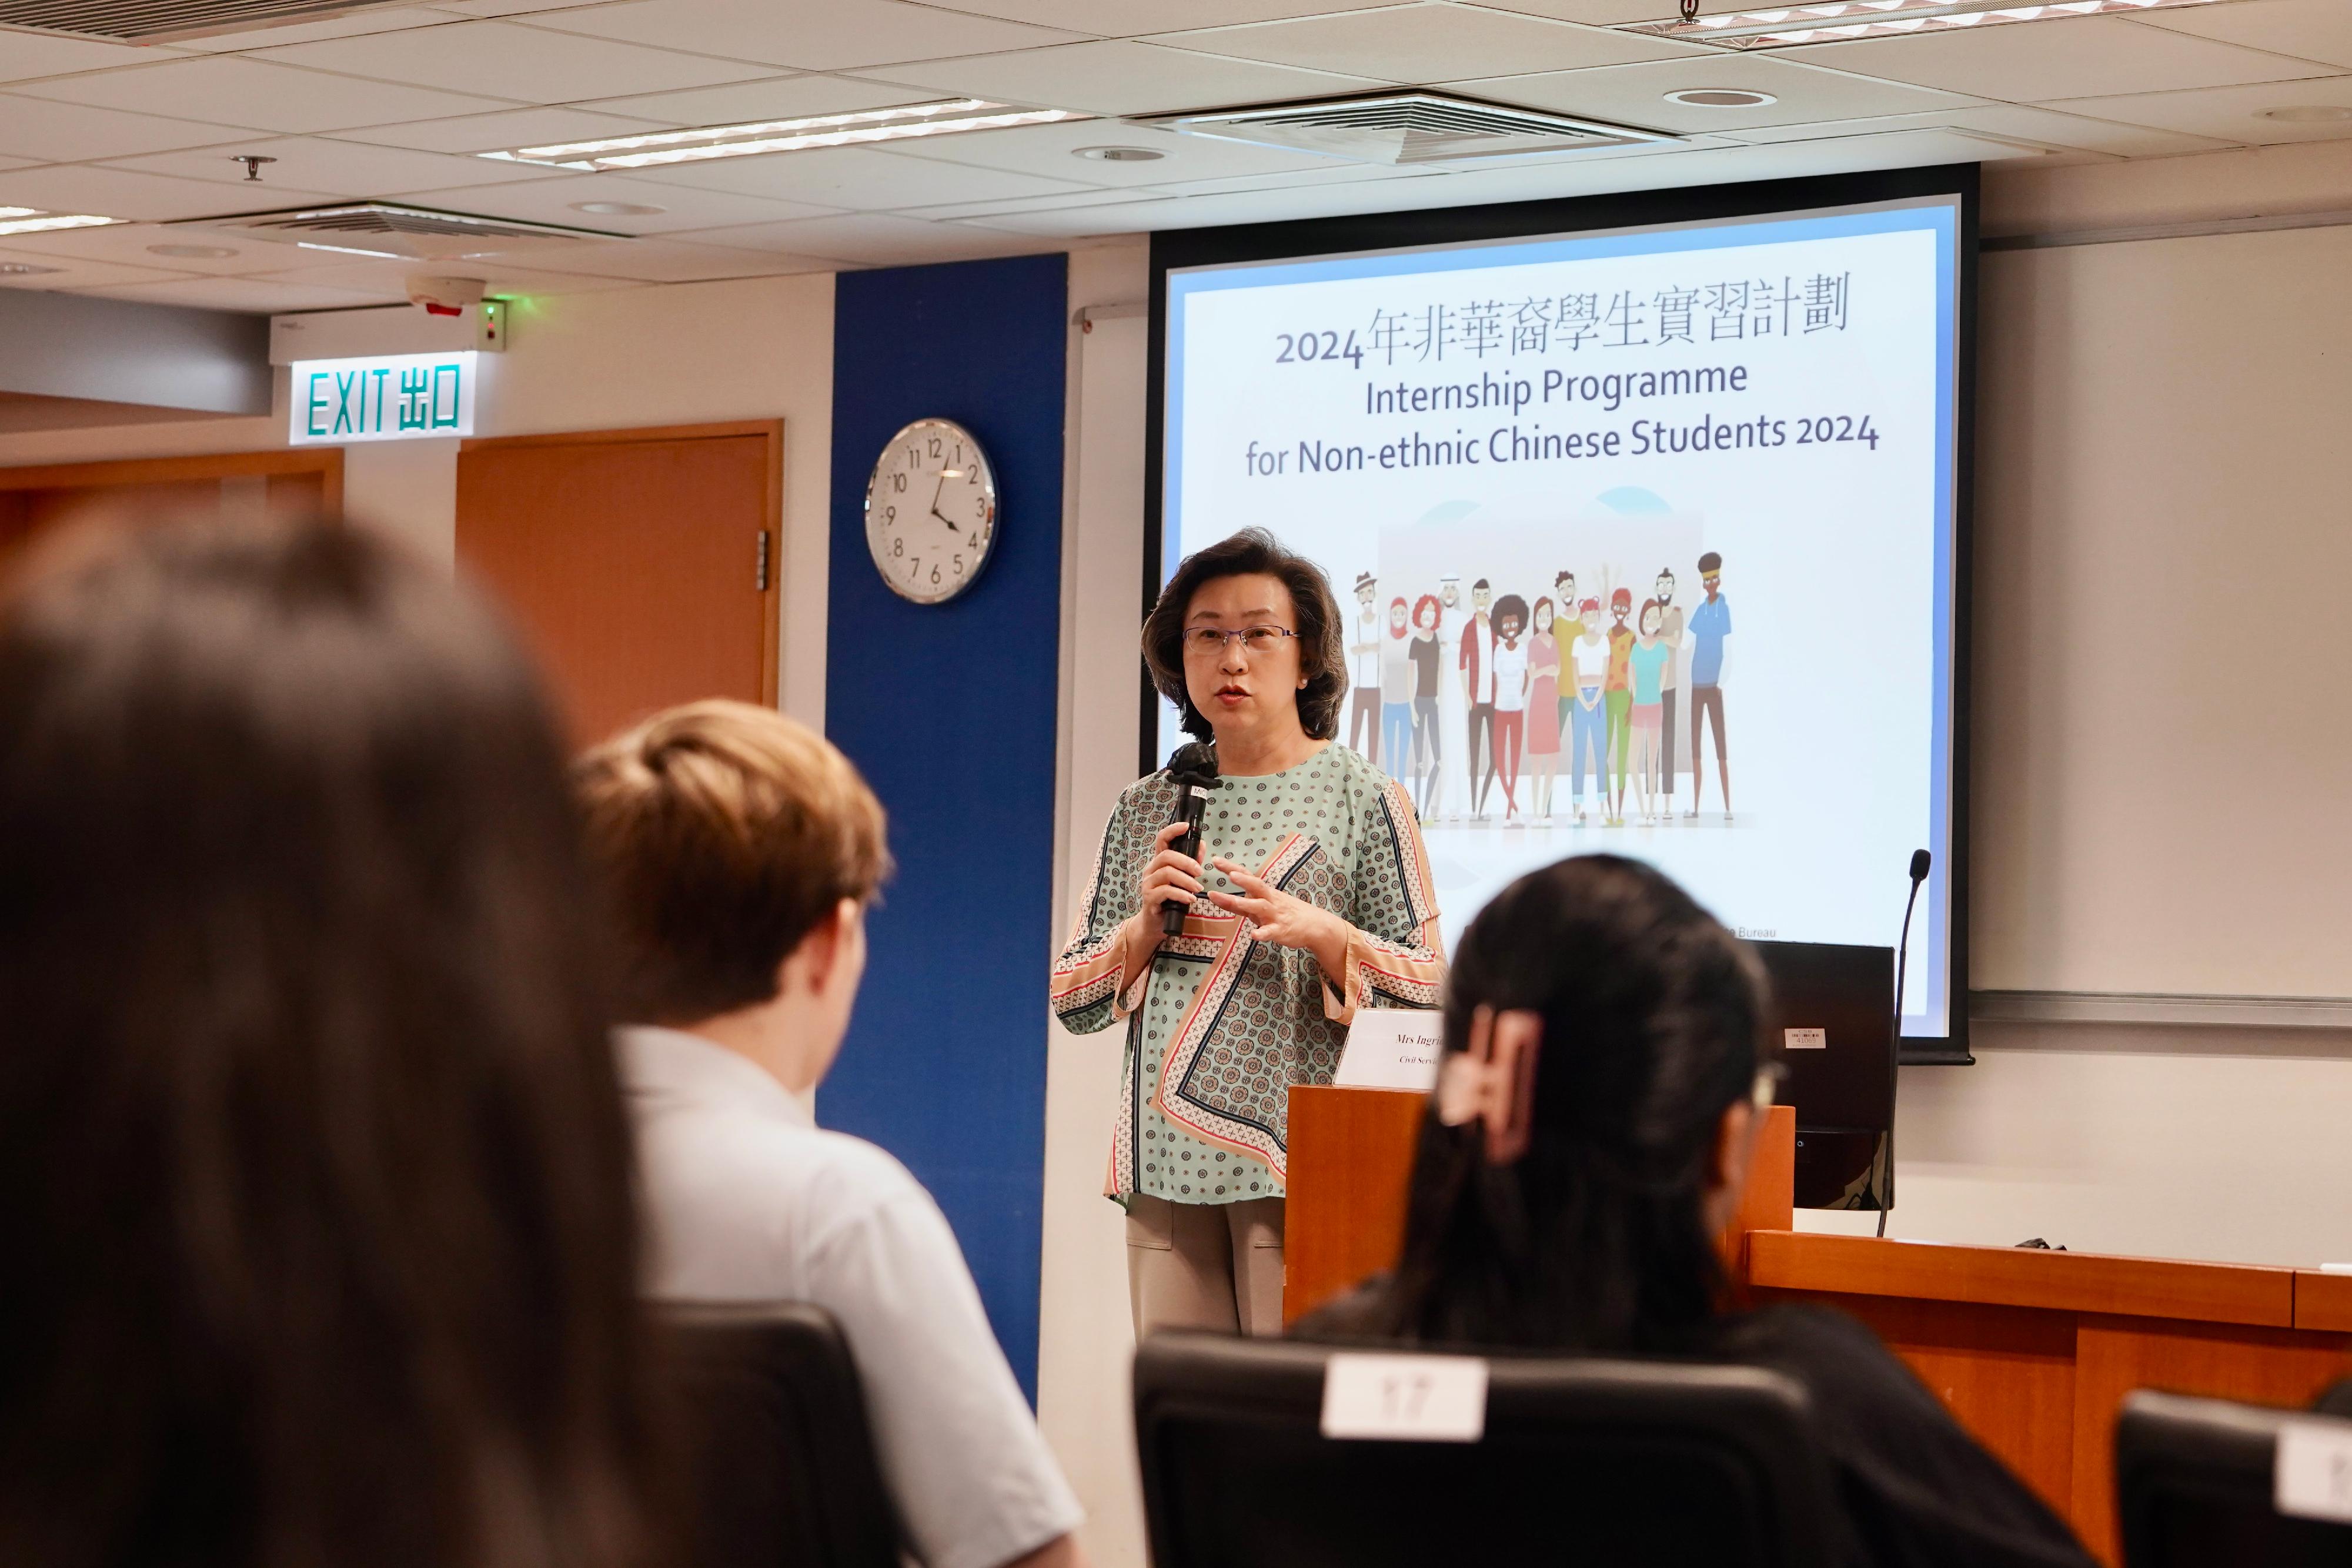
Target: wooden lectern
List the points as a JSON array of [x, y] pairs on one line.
[[1351, 1153]]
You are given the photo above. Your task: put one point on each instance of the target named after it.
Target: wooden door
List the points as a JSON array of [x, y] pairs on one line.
[[308, 482], [640, 563]]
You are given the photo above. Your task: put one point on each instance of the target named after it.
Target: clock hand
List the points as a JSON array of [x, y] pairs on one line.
[[937, 490]]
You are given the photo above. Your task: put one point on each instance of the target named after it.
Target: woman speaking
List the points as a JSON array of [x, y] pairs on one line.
[[1314, 900]]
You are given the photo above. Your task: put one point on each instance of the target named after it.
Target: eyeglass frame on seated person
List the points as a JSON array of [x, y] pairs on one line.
[[1195, 640]]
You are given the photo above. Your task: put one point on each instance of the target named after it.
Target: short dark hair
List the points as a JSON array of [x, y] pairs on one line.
[[1481, 583], [1710, 561], [1322, 657], [1653, 1024], [313, 1162], [724, 832]]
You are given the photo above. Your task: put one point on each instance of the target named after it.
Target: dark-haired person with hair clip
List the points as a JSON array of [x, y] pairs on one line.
[[313, 1170], [1314, 901], [1604, 1076]]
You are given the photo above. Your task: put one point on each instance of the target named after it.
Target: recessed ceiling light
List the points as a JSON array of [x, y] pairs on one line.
[[618, 209], [42, 222], [1836, 21], [24, 269], [658, 147], [1721, 97], [1119, 154], [205, 252], [2307, 114]]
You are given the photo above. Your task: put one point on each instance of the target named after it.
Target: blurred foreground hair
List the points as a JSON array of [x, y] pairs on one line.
[[313, 1168]]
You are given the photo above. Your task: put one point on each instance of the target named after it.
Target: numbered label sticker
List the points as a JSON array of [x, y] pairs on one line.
[[2313, 1471], [1405, 1398], [1804, 1039]]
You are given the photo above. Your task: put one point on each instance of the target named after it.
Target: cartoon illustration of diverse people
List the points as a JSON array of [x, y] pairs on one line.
[[1364, 654], [1396, 697], [1509, 724], [1543, 710], [1477, 664], [1593, 677], [1588, 724], [1647, 664], [1427, 746], [1710, 627], [1618, 690]]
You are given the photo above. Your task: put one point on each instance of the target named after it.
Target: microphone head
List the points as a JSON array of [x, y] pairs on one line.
[[1194, 762], [1920, 860]]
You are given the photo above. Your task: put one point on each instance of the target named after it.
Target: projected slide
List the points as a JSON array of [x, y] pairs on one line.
[[1644, 540]]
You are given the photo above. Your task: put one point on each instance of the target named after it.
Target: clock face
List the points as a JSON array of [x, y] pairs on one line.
[[930, 511]]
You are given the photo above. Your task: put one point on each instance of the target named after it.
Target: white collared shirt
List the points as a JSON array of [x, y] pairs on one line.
[[748, 1200]]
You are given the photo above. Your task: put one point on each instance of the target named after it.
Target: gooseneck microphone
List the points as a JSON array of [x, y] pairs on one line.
[[1194, 768], [1921, 862]]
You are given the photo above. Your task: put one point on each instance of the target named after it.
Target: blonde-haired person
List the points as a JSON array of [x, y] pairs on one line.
[[738, 851]]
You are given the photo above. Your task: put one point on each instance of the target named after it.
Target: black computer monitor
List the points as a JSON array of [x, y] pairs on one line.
[[1833, 1013]]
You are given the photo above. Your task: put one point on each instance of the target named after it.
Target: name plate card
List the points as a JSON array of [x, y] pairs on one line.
[[1405, 1398], [2311, 1472], [1393, 1048]]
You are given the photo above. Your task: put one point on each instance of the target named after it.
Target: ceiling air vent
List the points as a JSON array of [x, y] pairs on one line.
[[1405, 128], [405, 234], [155, 21]]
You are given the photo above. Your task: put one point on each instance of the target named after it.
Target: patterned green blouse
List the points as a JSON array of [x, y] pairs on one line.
[[1223, 1025]]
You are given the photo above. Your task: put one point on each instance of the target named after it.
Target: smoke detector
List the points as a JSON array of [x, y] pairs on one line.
[[1407, 128], [390, 231]]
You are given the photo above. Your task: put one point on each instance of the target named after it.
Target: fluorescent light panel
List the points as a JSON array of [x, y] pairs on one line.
[[1837, 21], [33, 223], [658, 147]]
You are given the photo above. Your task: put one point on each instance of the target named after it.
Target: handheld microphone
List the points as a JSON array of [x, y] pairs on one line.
[[1921, 862], [1194, 768]]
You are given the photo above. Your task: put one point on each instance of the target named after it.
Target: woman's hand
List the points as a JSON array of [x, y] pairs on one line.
[[1283, 919], [1171, 876]]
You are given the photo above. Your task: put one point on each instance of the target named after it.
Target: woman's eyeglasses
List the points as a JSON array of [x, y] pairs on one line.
[[1209, 642]]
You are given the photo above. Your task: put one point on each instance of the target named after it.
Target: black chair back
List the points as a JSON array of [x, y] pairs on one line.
[[780, 1456], [1604, 1462], [2195, 1488]]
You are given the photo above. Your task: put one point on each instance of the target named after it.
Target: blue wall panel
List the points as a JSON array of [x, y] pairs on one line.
[[950, 713]]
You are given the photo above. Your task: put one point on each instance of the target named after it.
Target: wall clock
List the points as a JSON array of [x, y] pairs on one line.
[[930, 511]]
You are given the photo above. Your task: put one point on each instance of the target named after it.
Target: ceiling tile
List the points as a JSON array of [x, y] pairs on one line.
[[1636, 95], [556, 201], [2313, 29], [250, 296], [346, 168], [50, 132], [371, 20], [1426, 43], [1120, 78], [502, 8], [836, 35], [1050, 151], [2233, 114], [129, 194], [861, 179], [76, 271], [31, 55], [1595, 13], [1130, 18], [1357, 174], [2039, 61], [126, 245], [272, 97], [2044, 126], [873, 239], [506, 60], [496, 133], [959, 210], [678, 261], [776, 97]]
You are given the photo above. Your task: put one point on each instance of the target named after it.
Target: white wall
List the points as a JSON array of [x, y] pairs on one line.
[[687, 354]]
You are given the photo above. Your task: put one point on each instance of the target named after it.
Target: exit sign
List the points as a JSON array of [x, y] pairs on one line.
[[395, 397]]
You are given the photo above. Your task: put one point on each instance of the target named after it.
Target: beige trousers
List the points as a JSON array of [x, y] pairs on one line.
[[1215, 1266]]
